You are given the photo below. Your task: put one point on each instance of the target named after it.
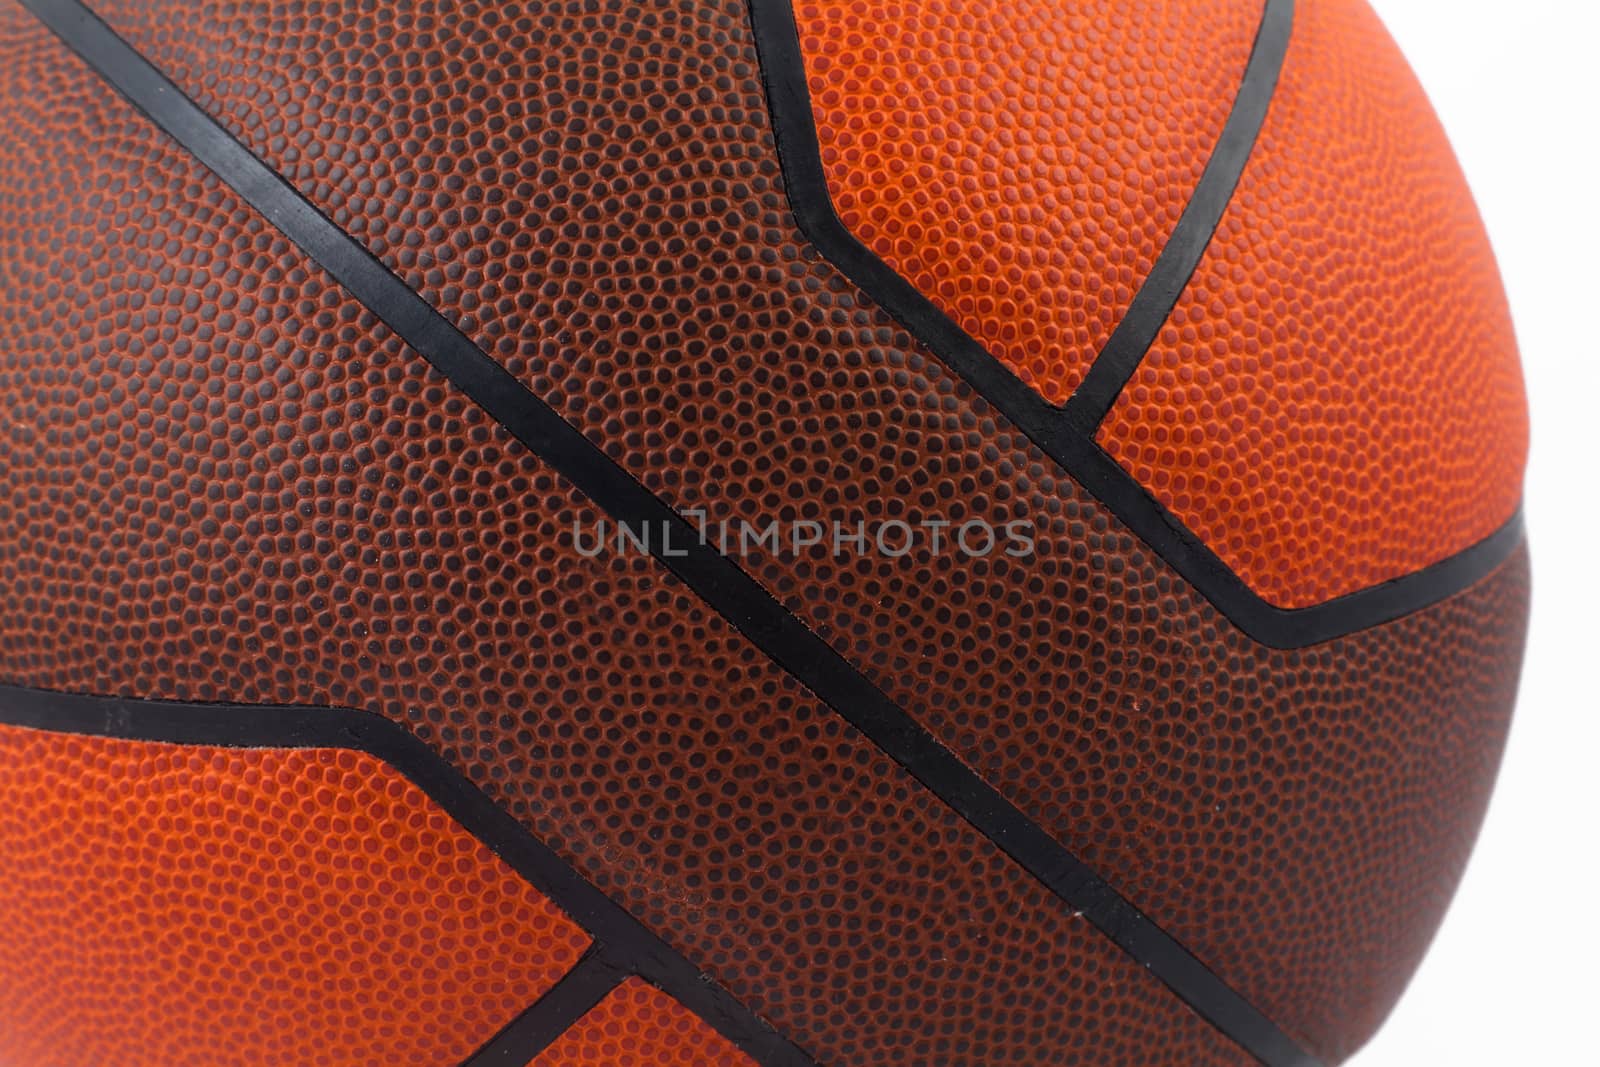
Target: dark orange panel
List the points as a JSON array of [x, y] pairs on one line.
[[167, 904], [640, 1026], [1022, 164], [1336, 400]]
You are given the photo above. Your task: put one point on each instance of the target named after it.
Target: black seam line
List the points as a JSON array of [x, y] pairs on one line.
[[716, 579], [1133, 336], [626, 944], [1077, 452], [589, 982]]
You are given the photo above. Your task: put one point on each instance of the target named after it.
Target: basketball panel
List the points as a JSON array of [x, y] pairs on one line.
[[1022, 164], [638, 1026], [1336, 400], [172, 904]]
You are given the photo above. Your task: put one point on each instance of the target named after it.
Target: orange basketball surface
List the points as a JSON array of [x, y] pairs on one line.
[[1023, 164], [637, 1026], [1336, 400], [231, 478], [167, 904]]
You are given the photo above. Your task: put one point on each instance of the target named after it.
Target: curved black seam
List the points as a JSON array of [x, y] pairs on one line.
[[1070, 445], [624, 942], [589, 982], [1153, 303], [718, 581]]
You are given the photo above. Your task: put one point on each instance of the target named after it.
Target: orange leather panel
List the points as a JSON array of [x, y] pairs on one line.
[[166, 904], [640, 1026], [1022, 164], [1336, 400]]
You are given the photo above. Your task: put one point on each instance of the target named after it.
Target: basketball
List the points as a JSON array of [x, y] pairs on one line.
[[778, 533]]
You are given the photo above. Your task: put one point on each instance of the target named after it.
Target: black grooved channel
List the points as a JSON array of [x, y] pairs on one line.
[[624, 942], [716, 579], [1153, 303], [1066, 434], [580, 989]]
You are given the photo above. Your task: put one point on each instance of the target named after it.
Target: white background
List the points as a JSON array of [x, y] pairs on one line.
[[1514, 977]]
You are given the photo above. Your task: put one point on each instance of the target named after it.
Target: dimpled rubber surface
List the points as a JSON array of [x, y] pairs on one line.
[[1336, 400], [169, 904], [637, 1025], [647, 279], [231, 484], [1022, 164]]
